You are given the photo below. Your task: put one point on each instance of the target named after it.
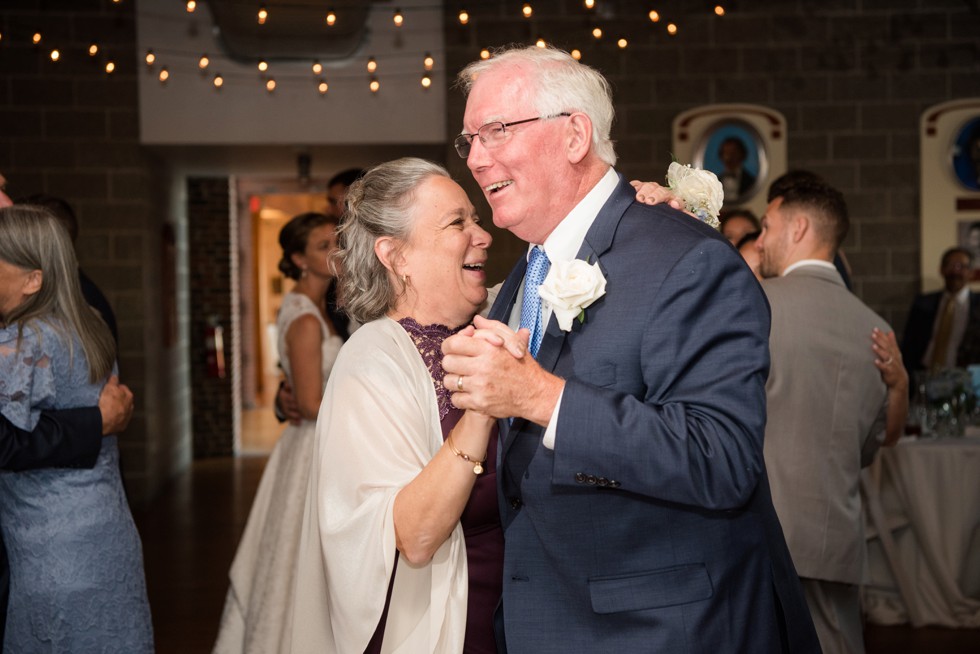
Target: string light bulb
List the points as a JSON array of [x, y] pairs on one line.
[[270, 85], [428, 62], [464, 17], [622, 43], [375, 85], [263, 14], [150, 57], [484, 54], [55, 55], [372, 65], [576, 54], [317, 68], [93, 50], [164, 75], [654, 16], [331, 18], [191, 6], [719, 10], [397, 18], [671, 29], [540, 42], [110, 67], [597, 32], [322, 87], [590, 4], [263, 65], [426, 81], [36, 38], [203, 62], [219, 81], [527, 10]]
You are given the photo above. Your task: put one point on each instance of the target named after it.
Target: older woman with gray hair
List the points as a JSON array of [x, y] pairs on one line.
[[402, 546]]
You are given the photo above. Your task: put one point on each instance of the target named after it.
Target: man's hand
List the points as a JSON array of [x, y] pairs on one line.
[[287, 405], [116, 406], [494, 382]]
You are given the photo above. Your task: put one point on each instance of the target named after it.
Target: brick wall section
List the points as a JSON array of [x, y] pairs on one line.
[[852, 78], [214, 402], [70, 130]]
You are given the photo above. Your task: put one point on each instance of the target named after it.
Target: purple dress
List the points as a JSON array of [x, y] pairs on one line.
[[482, 531]]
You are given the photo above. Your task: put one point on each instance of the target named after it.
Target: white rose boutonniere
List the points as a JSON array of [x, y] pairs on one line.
[[570, 287], [699, 190]]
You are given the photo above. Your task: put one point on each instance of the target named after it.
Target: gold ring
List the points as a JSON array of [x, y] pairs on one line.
[[459, 383]]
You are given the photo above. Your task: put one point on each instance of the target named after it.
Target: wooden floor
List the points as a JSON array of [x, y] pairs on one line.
[[191, 531]]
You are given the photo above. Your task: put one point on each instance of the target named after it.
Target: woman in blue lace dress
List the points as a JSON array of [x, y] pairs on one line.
[[76, 565]]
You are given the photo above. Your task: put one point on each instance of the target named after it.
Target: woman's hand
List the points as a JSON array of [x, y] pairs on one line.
[[653, 193], [889, 362], [499, 334]]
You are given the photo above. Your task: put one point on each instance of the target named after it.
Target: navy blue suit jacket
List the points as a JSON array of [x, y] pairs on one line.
[[649, 527]]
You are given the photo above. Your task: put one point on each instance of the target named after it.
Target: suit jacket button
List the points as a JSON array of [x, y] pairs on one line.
[[580, 477], [602, 481], [590, 480], [515, 503], [614, 484]]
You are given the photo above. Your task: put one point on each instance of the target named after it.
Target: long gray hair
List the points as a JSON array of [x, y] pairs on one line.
[[561, 84], [381, 203], [31, 238]]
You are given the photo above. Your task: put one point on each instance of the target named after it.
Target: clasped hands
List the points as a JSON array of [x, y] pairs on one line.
[[488, 370]]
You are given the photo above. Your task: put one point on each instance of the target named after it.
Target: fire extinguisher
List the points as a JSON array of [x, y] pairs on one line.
[[214, 348]]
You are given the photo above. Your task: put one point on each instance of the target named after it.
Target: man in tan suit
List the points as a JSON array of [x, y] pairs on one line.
[[827, 403]]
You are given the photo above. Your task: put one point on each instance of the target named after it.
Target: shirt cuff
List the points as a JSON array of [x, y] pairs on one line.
[[549, 433]]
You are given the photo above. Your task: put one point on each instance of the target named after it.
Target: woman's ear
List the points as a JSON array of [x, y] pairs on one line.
[[299, 260], [33, 282], [579, 137], [389, 254]]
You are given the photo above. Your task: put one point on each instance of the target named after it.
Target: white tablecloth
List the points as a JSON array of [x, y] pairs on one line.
[[930, 495]]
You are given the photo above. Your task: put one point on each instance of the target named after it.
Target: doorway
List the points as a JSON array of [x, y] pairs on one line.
[[265, 206]]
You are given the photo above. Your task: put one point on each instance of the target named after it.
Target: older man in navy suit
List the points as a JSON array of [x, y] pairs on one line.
[[634, 495]]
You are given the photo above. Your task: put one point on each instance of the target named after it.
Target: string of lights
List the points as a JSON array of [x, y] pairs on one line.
[[166, 63]]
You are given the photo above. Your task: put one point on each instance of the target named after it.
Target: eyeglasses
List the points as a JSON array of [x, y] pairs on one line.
[[492, 134]]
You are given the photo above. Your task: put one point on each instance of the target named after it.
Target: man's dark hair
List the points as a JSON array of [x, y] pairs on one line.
[[825, 205], [59, 208], [738, 143], [346, 177], [751, 237], [788, 179], [952, 251]]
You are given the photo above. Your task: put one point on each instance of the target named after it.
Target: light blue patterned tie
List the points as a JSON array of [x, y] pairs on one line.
[[537, 270]]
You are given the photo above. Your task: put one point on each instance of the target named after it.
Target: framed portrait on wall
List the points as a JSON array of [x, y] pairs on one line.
[[736, 153], [966, 154]]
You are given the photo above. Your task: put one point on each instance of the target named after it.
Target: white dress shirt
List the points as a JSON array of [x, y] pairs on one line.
[[563, 244]]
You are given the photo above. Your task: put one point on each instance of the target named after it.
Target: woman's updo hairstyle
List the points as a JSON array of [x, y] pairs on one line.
[[294, 237], [381, 203]]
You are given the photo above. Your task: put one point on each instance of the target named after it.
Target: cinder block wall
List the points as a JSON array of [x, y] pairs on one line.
[[852, 78]]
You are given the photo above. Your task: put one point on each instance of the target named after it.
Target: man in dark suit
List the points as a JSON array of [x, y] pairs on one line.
[[633, 490], [70, 438], [940, 323]]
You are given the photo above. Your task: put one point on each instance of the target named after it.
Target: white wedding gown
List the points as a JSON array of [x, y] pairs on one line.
[[262, 574]]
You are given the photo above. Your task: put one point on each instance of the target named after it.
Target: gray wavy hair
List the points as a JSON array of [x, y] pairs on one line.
[[561, 85], [31, 238], [381, 203]]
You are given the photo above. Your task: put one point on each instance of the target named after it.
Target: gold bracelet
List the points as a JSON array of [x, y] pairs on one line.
[[477, 465]]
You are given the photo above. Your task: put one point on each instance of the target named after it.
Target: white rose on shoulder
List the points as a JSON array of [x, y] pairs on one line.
[[699, 190], [570, 287]]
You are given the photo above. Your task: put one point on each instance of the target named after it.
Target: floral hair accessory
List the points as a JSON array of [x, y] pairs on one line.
[[699, 190], [570, 287]]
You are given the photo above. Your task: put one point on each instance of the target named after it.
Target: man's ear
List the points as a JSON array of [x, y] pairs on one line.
[[32, 284], [389, 254], [579, 137], [800, 227]]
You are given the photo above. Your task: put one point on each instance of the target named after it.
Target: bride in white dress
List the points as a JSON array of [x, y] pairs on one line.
[[262, 574]]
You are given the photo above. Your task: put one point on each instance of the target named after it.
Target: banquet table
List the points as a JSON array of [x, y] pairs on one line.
[[922, 502]]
